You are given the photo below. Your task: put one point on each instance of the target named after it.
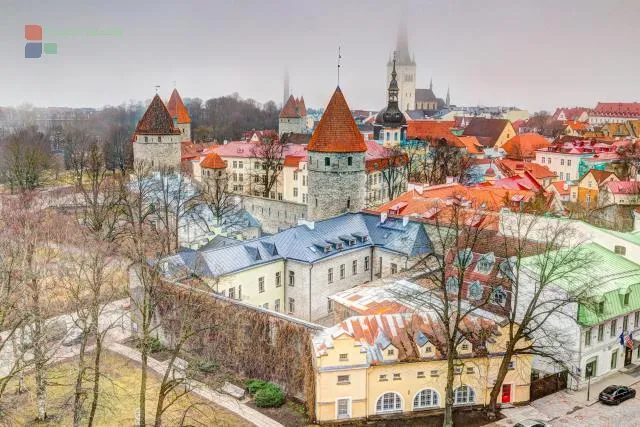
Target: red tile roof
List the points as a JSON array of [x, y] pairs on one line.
[[432, 130], [337, 131], [177, 109], [156, 120], [570, 113], [213, 161], [514, 167], [293, 161], [618, 109], [599, 176], [472, 144], [624, 187], [524, 146], [294, 108], [562, 188]]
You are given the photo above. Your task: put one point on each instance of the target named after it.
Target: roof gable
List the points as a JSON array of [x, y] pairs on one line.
[[156, 120], [177, 109]]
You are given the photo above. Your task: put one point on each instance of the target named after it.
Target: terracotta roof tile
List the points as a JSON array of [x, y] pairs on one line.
[[176, 108], [599, 175], [213, 161], [293, 108], [337, 131], [512, 167], [433, 130], [156, 120], [524, 146]]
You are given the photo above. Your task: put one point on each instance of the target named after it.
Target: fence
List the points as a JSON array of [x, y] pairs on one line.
[[547, 385]]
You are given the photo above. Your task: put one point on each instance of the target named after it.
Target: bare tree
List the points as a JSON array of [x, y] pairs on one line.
[[217, 207], [25, 155], [443, 161], [395, 170], [117, 148], [269, 154]]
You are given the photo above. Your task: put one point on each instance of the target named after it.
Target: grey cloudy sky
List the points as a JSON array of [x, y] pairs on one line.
[[534, 54]]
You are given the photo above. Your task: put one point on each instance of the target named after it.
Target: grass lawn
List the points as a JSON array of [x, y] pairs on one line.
[[118, 401]]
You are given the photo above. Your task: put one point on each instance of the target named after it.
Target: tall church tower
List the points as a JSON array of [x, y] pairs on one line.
[[336, 169], [406, 69]]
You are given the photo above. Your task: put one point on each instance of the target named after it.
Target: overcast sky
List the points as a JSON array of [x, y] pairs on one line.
[[536, 54]]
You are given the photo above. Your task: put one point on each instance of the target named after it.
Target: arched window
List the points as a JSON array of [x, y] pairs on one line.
[[389, 402], [426, 398], [464, 395]]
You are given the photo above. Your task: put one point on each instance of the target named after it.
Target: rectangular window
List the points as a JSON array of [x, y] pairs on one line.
[[235, 164], [470, 370], [390, 352], [327, 162], [354, 267], [614, 359], [295, 192], [512, 364], [382, 377], [625, 299], [435, 373], [343, 379], [620, 250], [587, 337], [265, 306], [343, 410], [239, 292], [330, 275], [394, 268], [276, 305], [366, 263], [600, 333], [396, 377], [260, 284], [636, 319], [561, 162], [232, 293], [427, 349], [278, 279], [330, 305], [465, 346], [625, 322], [421, 374], [295, 176], [240, 164], [568, 162], [614, 327], [457, 370], [304, 181], [344, 357], [292, 305], [292, 278], [342, 273]]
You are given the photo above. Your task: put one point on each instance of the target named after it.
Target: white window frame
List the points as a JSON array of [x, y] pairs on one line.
[[394, 409], [434, 393], [349, 401], [470, 397]]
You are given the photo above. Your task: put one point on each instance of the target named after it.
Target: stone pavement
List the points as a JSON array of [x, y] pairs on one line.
[[202, 390], [571, 408]]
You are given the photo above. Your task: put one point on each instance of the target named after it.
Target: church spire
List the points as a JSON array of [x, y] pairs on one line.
[[448, 99], [431, 84], [402, 46]]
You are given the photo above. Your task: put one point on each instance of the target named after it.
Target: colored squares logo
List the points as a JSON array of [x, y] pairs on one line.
[[34, 48]]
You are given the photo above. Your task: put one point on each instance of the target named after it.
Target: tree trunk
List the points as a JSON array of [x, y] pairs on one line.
[[502, 373], [448, 401], [96, 370], [78, 398]]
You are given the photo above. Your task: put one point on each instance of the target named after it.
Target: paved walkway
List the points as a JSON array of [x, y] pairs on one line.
[[227, 402]]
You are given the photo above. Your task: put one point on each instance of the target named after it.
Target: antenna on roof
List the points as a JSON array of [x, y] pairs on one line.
[[339, 58], [157, 87], [174, 84]]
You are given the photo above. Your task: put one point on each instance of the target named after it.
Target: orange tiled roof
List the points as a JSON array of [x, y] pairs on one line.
[[524, 146], [472, 144], [599, 175], [577, 125], [293, 161], [293, 108], [560, 188], [512, 167], [433, 130], [156, 120], [213, 161], [337, 131], [177, 109]]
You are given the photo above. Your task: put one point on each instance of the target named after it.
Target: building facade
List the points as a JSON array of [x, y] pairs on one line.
[[293, 117]]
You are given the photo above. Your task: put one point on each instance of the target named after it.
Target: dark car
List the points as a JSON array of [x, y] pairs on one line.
[[614, 394]]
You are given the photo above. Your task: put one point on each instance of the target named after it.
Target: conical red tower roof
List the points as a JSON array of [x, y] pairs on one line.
[[337, 132], [156, 120], [177, 108], [213, 161]]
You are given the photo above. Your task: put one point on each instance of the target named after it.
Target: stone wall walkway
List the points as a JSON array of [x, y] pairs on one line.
[[227, 402]]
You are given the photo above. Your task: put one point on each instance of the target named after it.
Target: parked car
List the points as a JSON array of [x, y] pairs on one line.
[[615, 394], [532, 423]]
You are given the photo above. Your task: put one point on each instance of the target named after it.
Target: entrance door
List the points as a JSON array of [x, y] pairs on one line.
[[628, 354], [506, 393]]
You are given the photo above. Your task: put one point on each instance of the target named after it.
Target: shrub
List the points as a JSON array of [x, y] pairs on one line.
[[269, 396], [255, 386], [153, 344], [205, 366]]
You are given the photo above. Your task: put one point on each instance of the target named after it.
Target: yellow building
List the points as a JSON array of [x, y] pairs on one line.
[[394, 365]]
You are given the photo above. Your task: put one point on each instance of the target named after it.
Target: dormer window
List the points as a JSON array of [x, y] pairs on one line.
[[452, 285], [339, 246], [327, 249], [485, 263], [600, 308], [390, 352], [465, 346], [499, 296], [475, 290]]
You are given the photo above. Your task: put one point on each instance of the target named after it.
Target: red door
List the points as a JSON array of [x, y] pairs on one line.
[[506, 393]]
